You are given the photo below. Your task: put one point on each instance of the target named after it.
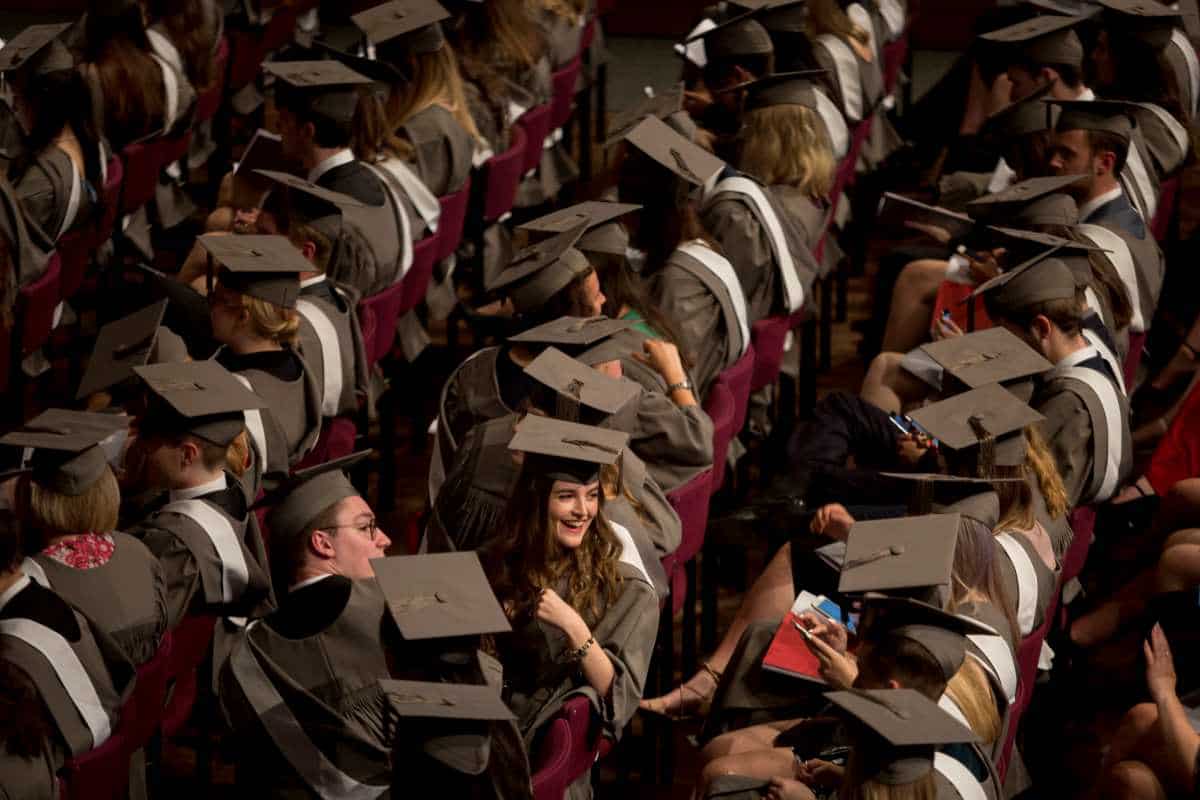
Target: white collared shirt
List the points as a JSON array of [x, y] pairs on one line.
[[1088, 208], [1078, 357], [336, 160], [215, 485], [1086, 95], [313, 281], [13, 590], [309, 582]]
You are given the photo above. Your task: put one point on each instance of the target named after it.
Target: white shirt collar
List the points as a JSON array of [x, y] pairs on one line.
[[308, 582], [313, 281], [1088, 208], [1078, 357], [336, 160], [14, 590], [214, 485], [1087, 95]]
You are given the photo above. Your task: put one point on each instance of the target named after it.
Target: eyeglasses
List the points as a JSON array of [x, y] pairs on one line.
[[370, 528]]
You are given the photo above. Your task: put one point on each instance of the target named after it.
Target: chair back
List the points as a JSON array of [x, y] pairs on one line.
[[416, 280], [564, 82], [142, 166], [99, 774], [189, 648], [245, 58], [1168, 197], [74, 254], [1133, 358], [35, 307], [690, 502], [504, 173], [536, 123], [169, 150], [768, 337], [209, 101], [144, 710], [569, 747], [894, 55], [452, 221], [721, 409], [111, 197], [1083, 521], [588, 36], [383, 310], [335, 441], [739, 378]]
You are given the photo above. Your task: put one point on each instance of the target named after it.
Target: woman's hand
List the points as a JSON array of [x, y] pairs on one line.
[[838, 669], [820, 774], [1160, 666], [696, 101], [825, 629], [663, 357], [945, 328], [987, 265], [553, 609], [911, 448], [832, 520], [610, 368]]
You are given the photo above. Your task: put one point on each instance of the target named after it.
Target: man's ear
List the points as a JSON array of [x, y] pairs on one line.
[[189, 453], [741, 74], [320, 543], [309, 249], [1042, 326], [1047, 76], [1105, 162], [894, 684], [308, 133]]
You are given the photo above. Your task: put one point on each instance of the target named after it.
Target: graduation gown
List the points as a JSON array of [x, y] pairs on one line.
[[79, 673], [767, 248], [699, 289], [1139, 178], [124, 597], [537, 683], [1165, 137], [331, 344], [212, 555], [1135, 256], [286, 428], [857, 84], [1180, 56], [304, 686], [444, 149], [56, 198], [1086, 425], [674, 441], [1030, 583]]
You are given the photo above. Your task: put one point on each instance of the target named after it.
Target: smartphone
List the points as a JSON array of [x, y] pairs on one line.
[[902, 423], [946, 315], [803, 631]]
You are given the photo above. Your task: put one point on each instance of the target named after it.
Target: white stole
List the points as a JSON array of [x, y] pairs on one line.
[[720, 267], [234, 573], [331, 354]]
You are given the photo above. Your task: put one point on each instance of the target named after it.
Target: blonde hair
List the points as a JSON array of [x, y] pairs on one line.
[[826, 16], [1016, 498], [923, 788], [972, 693], [572, 10], [93, 511], [372, 138], [785, 145], [436, 81], [269, 321], [237, 455]]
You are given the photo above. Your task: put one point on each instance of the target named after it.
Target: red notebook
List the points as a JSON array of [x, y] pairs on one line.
[[789, 655]]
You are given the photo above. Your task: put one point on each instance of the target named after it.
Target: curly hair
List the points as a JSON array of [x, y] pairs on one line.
[[525, 557], [1016, 498], [786, 145]]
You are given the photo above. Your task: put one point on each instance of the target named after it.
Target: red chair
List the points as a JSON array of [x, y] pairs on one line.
[[768, 337], [571, 744], [1178, 453], [720, 407], [335, 441], [142, 165], [1133, 358], [416, 280], [690, 502], [536, 124], [564, 81], [35, 308], [1029, 653], [379, 314], [111, 197], [738, 379], [209, 101], [452, 221], [189, 648], [1168, 196], [1083, 521], [103, 773], [504, 173], [74, 250], [170, 150], [894, 55]]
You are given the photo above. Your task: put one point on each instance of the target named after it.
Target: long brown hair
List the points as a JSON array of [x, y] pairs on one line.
[[189, 27], [1016, 497], [827, 16], [129, 80], [436, 80], [497, 41], [373, 138], [975, 575], [526, 558]]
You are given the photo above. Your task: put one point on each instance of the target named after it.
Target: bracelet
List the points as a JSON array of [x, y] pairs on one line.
[[684, 385], [577, 655]]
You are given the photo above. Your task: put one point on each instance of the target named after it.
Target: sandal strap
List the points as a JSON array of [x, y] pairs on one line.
[[712, 673]]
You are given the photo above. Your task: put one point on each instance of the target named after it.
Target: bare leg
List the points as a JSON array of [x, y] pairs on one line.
[[912, 304], [764, 764], [755, 737], [769, 597], [890, 386], [1131, 780], [1139, 723]]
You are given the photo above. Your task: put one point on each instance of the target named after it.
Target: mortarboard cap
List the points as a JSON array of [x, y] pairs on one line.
[[37, 48], [311, 204], [540, 271], [782, 88], [994, 355], [1041, 279], [942, 634], [1042, 241], [197, 397], [120, 346], [1025, 116], [574, 333], [1065, 7], [939, 493], [602, 234], [566, 450], [577, 386], [414, 22], [439, 596], [68, 456], [653, 104], [1045, 39], [783, 16], [903, 553], [436, 700], [1147, 20], [661, 143], [736, 37], [896, 732], [306, 493], [327, 89], [382, 73], [266, 267], [988, 417], [1033, 201], [1107, 116]]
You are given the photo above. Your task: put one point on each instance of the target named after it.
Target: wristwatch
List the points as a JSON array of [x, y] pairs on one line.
[[684, 385]]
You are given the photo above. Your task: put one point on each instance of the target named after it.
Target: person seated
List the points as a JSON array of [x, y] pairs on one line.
[[583, 611], [673, 434], [55, 651], [208, 542], [1042, 53], [844, 48], [329, 659], [254, 319], [1138, 55], [1153, 752], [193, 30], [141, 94], [26, 752], [21, 262], [61, 163], [330, 339], [70, 502], [1087, 421], [480, 482]]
